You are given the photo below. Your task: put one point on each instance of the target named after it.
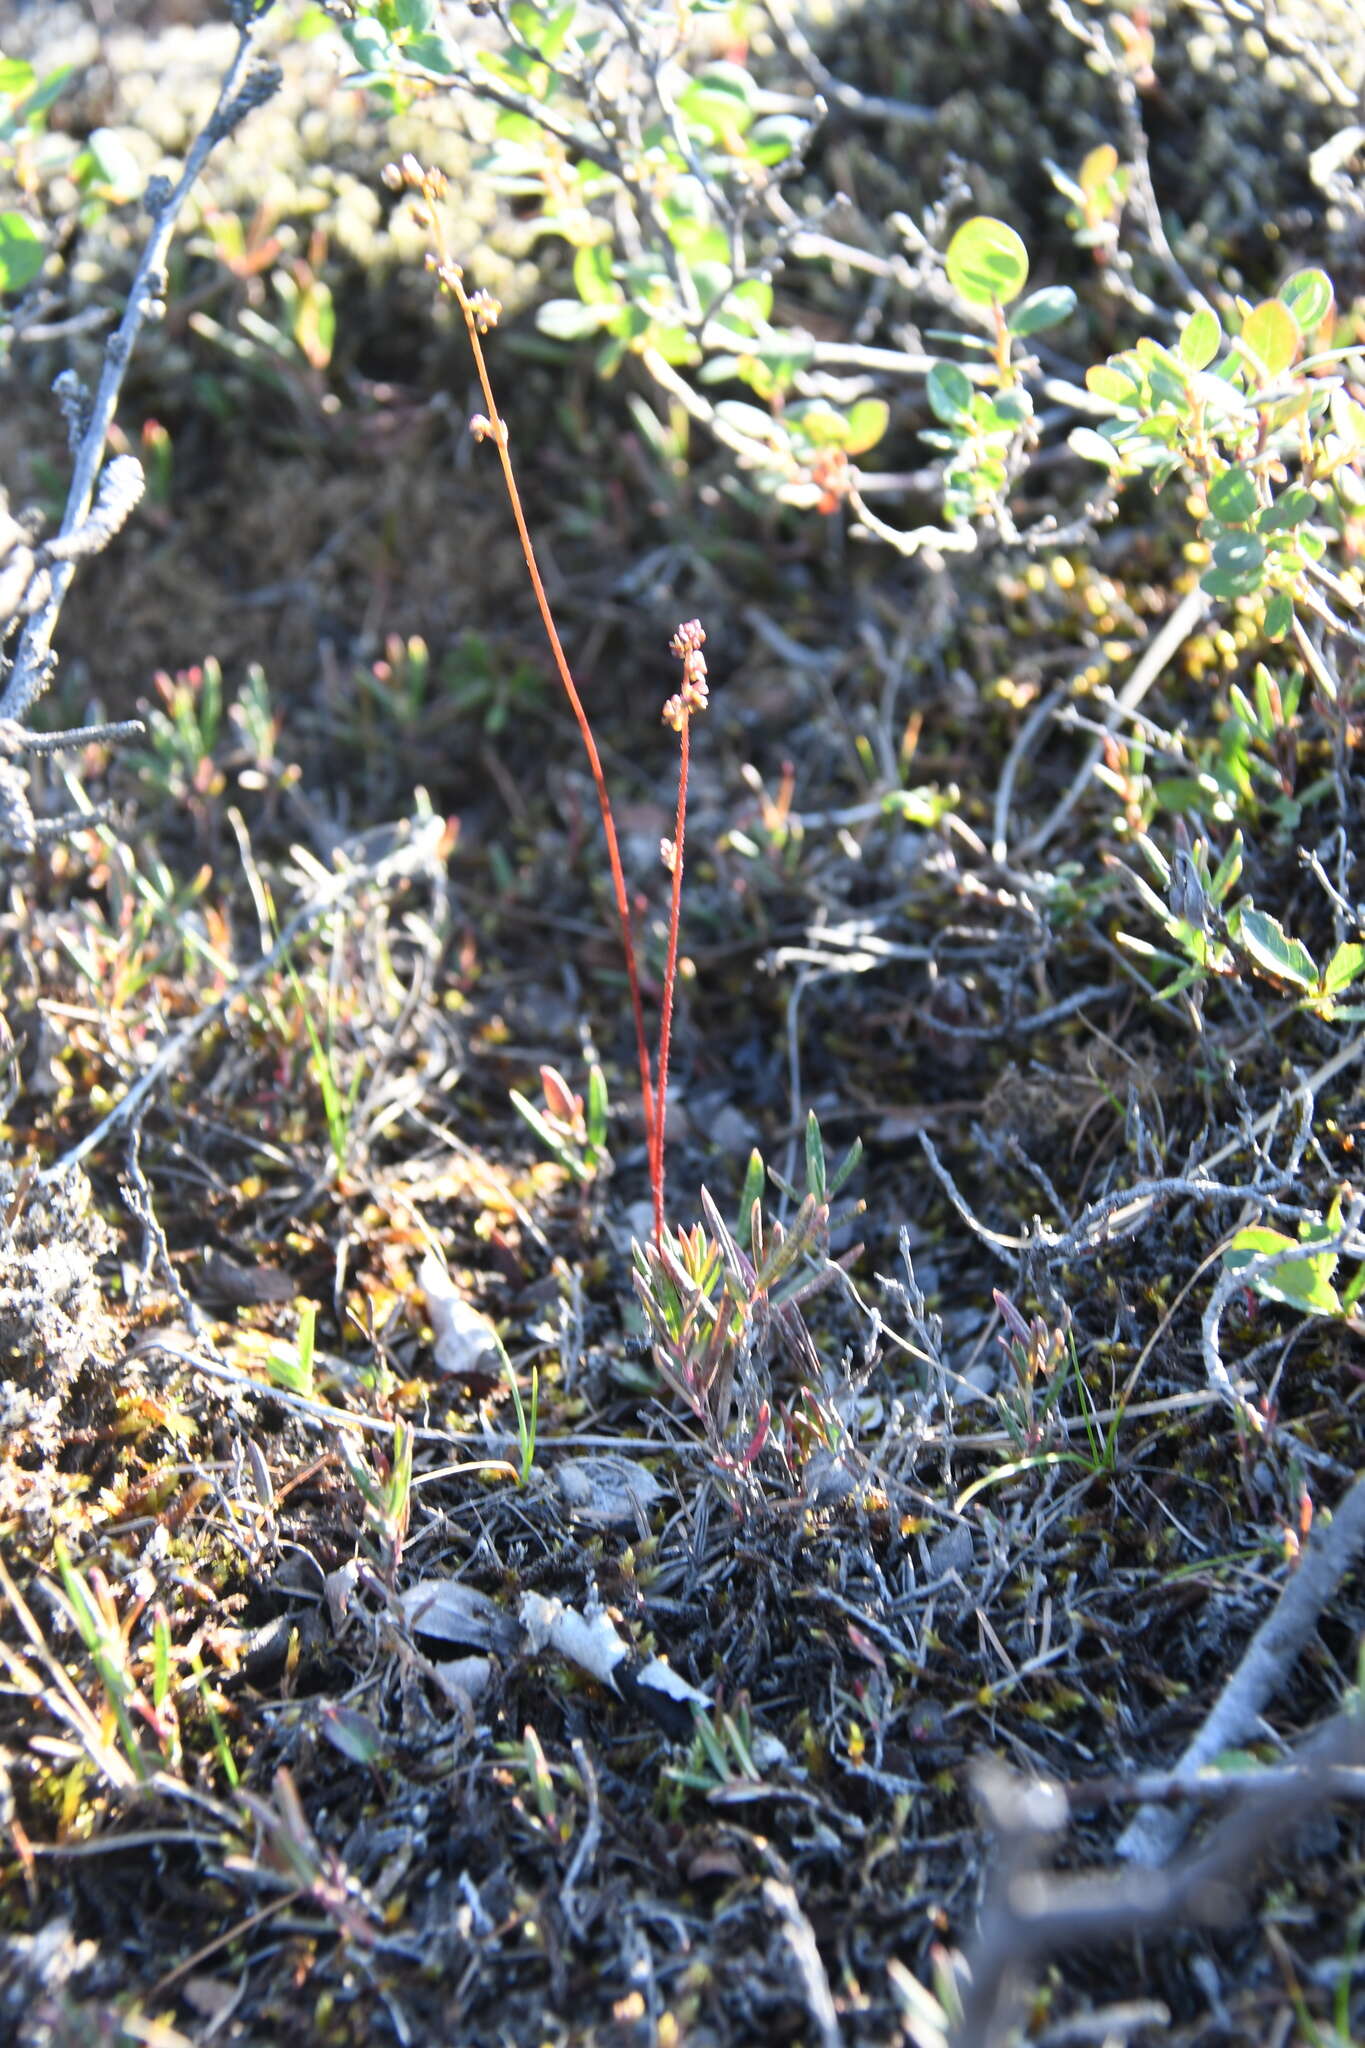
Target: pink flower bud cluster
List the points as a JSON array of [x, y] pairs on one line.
[[694, 695]]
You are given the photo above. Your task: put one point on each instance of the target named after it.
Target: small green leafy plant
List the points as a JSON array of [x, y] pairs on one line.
[[1216, 939], [986, 419], [1263, 426], [385, 1488], [1307, 1284], [716, 1299], [570, 1130]]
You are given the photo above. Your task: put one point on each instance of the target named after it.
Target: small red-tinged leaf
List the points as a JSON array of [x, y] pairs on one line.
[[865, 1646], [560, 1099], [757, 1440], [353, 1733]]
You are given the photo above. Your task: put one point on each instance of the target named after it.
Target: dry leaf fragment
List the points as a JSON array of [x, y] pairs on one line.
[[466, 1341]]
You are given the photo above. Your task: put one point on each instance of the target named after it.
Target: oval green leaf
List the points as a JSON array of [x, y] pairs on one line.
[[1279, 615], [1271, 947], [1040, 310], [866, 422], [1271, 332], [1232, 497], [987, 262], [1238, 566], [949, 392], [22, 250], [1294, 507], [571, 320], [1309, 296], [1346, 966], [1200, 341], [1304, 1284], [1111, 384], [1093, 447]]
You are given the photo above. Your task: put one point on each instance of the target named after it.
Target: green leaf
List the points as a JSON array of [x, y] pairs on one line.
[[514, 127], [1304, 1284], [816, 1179], [314, 323], [39, 98], [1170, 386], [1271, 947], [1042, 309], [755, 1179], [748, 420], [776, 137], [15, 77], [1003, 413], [1227, 871], [866, 422], [1238, 566], [1271, 332], [1232, 497], [847, 1165], [434, 52], [597, 1108], [1292, 508], [1093, 447], [592, 275], [1201, 339], [1112, 384], [1097, 169], [571, 320], [22, 250], [719, 101], [1346, 966], [557, 30], [1279, 615], [1308, 295], [987, 262], [949, 392]]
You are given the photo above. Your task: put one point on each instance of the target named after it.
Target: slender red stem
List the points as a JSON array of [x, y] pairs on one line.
[[656, 1164], [450, 277]]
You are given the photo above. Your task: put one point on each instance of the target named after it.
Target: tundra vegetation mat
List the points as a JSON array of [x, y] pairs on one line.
[[916, 1598]]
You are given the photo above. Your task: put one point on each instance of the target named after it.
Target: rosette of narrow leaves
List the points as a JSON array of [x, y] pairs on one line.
[[717, 1311]]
